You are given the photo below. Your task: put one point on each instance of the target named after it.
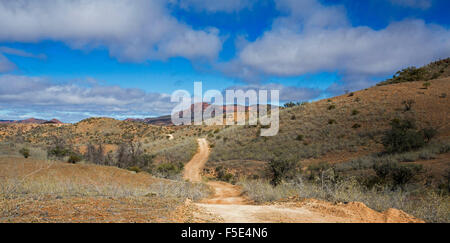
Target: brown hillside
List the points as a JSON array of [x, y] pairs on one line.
[[340, 128]]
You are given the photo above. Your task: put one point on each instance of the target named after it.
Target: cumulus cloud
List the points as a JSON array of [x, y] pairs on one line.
[[214, 6], [22, 93], [312, 38], [421, 4], [132, 30]]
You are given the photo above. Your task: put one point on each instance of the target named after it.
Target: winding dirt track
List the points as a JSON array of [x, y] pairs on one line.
[[193, 169], [230, 206]]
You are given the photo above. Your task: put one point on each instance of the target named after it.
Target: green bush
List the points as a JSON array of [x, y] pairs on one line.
[[58, 152], [398, 174], [169, 169], [429, 133], [283, 170], [403, 174], [403, 137], [74, 158], [222, 174], [25, 152], [135, 169]]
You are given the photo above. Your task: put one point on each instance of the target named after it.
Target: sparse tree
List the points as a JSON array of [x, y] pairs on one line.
[[25, 152]]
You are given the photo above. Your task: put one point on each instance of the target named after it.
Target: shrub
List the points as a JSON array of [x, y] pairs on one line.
[[74, 158], [25, 152], [58, 152], [289, 104], [331, 107], [408, 104], [129, 155], [95, 154], [222, 174], [331, 121], [426, 85], [299, 137], [59, 149], [429, 133], [135, 169], [399, 174], [317, 169], [263, 191], [403, 174], [356, 126], [355, 112], [407, 75], [402, 137], [169, 169], [283, 169]]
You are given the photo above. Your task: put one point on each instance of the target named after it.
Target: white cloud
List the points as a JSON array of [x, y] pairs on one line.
[[17, 52], [133, 30], [287, 93], [421, 4], [5, 64], [214, 5], [20, 93], [314, 38]]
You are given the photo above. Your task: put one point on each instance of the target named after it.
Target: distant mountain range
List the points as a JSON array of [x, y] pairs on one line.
[[158, 121], [32, 121], [167, 119]]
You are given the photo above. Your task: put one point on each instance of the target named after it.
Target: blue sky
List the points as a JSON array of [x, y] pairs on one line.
[[74, 59]]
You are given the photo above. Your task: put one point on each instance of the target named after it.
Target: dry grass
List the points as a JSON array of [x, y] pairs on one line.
[[430, 207], [47, 191]]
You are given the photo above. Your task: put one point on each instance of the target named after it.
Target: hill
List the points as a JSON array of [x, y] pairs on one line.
[[158, 121], [163, 144], [167, 120], [339, 128], [48, 191], [434, 70], [32, 121]]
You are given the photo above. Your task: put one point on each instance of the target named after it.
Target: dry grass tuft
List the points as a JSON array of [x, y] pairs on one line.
[[430, 207]]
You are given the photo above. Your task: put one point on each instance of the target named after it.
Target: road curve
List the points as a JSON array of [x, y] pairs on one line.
[[193, 169], [230, 206]]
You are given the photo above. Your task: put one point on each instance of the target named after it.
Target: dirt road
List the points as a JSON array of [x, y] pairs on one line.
[[230, 206], [193, 169]]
